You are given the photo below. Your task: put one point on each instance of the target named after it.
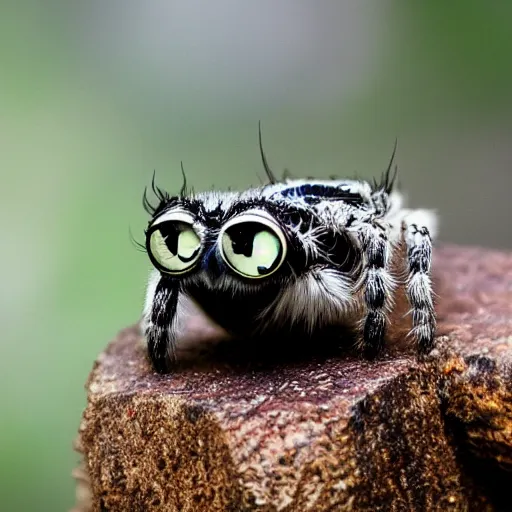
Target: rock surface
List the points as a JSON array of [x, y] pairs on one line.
[[322, 433]]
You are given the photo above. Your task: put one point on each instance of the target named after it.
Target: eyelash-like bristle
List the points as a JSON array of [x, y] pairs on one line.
[[160, 194], [268, 171], [388, 178], [184, 191], [140, 247], [148, 207]]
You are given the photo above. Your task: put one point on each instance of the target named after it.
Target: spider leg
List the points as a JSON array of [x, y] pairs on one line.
[[159, 319], [417, 228], [378, 284]]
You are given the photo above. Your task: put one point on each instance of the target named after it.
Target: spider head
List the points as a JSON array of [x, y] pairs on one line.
[[255, 260], [248, 240]]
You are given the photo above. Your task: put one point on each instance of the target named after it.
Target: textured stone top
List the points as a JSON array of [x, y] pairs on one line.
[[318, 431]]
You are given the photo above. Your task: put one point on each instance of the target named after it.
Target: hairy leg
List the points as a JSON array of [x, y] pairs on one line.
[[159, 320], [175, 327], [417, 227], [378, 284]]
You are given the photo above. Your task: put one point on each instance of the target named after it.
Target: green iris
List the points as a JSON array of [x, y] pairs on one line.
[[175, 246], [252, 249]]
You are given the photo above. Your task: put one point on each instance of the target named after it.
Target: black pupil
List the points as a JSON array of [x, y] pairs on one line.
[[242, 242], [171, 234], [242, 237]]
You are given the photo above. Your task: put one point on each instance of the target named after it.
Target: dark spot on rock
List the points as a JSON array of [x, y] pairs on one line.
[[193, 413], [483, 364]]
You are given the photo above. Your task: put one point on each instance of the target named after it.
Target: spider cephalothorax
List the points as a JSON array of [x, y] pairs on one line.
[[292, 256]]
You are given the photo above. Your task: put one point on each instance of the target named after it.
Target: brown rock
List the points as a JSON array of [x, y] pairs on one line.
[[321, 433]]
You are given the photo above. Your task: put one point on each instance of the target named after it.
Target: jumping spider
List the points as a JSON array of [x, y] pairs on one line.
[[291, 256]]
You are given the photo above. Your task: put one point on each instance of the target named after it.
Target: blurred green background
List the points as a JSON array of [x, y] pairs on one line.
[[96, 95]]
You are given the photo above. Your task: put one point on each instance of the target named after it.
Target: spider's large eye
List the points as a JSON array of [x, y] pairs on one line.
[[253, 245], [172, 243]]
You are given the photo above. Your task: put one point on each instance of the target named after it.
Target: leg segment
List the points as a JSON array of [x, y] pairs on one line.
[[378, 285], [159, 319], [419, 286]]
